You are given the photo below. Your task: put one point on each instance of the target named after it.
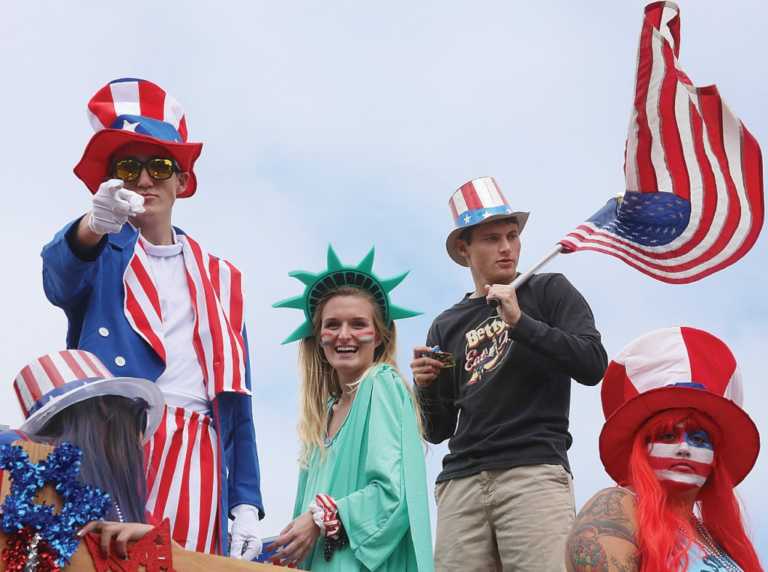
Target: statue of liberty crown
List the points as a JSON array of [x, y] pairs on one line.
[[336, 276]]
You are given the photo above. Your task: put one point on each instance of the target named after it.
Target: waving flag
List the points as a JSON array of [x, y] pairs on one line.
[[694, 189]]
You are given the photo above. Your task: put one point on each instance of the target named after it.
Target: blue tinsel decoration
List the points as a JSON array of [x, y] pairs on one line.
[[81, 503]]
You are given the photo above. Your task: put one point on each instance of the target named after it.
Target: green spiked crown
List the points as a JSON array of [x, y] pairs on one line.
[[336, 276]]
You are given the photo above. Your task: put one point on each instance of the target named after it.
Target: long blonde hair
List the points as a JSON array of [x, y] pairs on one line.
[[320, 382]]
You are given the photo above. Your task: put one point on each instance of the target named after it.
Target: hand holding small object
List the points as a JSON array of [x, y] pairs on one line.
[[425, 366]]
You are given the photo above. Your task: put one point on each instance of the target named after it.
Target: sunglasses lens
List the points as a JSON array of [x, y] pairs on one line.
[[128, 169], [160, 169]]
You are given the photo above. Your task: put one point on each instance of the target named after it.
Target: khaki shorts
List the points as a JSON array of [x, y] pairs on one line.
[[512, 520]]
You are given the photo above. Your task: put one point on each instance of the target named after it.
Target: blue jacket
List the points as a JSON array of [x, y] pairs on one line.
[[89, 288]]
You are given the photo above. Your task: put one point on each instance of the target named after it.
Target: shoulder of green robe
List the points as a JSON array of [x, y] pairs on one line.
[[387, 379], [384, 371]]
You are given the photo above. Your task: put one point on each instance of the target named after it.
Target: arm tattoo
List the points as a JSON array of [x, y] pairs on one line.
[[603, 516], [631, 563]]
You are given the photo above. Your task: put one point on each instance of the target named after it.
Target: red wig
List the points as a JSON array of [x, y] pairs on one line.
[[658, 523]]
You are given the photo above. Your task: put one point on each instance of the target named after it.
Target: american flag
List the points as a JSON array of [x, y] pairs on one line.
[[694, 177]]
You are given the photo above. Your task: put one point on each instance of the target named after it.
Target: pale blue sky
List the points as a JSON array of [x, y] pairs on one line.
[[352, 123]]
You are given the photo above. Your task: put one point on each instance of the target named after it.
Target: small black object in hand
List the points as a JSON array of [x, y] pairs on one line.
[[445, 358]]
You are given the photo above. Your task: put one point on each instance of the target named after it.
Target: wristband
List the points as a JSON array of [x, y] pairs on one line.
[[325, 514]]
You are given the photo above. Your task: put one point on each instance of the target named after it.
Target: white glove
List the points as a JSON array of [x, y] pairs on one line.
[[112, 206], [246, 542]]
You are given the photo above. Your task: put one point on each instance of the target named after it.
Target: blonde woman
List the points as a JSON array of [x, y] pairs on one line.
[[362, 494]]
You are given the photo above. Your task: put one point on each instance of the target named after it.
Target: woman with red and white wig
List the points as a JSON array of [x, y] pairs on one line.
[[677, 442]]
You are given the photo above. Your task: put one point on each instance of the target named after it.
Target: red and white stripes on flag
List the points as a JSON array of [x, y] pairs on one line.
[[183, 478], [685, 143], [216, 292]]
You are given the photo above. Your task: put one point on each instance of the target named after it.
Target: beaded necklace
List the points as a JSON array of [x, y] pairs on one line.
[[118, 512], [714, 553]]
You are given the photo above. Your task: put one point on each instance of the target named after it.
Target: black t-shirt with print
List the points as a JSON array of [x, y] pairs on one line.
[[506, 402]]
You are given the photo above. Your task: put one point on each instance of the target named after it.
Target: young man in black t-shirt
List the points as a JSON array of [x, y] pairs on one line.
[[505, 495]]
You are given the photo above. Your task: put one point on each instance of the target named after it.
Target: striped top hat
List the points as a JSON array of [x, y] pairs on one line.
[[673, 368], [135, 110], [476, 202], [53, 382]]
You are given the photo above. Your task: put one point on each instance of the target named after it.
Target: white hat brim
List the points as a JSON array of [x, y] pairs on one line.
[[130, 387], [450, 242]]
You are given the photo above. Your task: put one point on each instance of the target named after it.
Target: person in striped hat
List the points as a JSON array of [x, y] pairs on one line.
[[505, 495], [149, 301], [676, 441], [70, 396]]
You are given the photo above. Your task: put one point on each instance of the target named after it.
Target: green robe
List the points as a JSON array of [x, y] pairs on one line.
[[374, 469]]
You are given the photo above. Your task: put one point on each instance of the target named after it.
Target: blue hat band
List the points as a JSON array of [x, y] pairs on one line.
[[147, 126], [689, 385], [61, 390], [476, 216]]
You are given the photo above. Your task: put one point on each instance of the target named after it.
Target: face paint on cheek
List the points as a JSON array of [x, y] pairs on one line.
[[683, 464], [365, 338], [327, 339]]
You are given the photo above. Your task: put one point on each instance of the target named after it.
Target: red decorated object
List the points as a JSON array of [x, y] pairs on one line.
[[151, 554], [17, 552]]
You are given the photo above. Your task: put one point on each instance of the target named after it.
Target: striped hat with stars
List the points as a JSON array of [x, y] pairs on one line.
[[476, 202], [51, 383], [135, 110]]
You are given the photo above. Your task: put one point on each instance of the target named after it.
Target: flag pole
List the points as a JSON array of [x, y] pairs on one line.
[[523, 278]]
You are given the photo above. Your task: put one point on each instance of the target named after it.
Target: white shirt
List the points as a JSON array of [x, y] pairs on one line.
[[182, 381]]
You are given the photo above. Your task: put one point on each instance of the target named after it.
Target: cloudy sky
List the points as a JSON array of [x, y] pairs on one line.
[[352, 123]]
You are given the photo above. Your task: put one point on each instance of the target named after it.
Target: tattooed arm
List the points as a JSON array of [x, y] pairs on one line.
[[603, 538]]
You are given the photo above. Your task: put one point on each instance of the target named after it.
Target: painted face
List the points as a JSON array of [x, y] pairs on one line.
[[348, 335], [682, 457]]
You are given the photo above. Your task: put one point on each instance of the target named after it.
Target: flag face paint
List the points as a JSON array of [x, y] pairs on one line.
[[328, 339], [682, 458]]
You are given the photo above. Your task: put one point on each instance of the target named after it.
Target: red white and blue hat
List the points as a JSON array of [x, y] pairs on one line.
[[477, 202], [135, 110], [673, 368], [53, 382]]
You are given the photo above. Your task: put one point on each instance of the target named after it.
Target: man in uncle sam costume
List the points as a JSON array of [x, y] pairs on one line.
[[149, 301], [505, 495], [676, 441]]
